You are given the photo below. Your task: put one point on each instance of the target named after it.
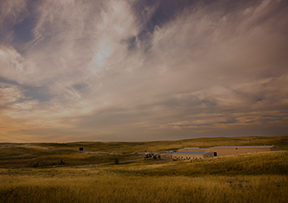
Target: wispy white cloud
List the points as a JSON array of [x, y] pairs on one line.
[[209, 69]]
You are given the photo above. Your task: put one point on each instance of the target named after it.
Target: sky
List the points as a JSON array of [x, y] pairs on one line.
[[139, 70]]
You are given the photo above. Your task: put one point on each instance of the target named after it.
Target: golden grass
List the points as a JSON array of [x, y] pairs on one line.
[[115, 188]]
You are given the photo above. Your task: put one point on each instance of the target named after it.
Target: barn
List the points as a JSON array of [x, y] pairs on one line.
[[188, 155], [194, 149], [196, 152], [234, 150]]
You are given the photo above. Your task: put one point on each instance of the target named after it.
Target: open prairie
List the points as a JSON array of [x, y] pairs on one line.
[[50, 172]]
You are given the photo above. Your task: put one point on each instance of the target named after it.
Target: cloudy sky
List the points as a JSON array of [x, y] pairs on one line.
[[103, 70]]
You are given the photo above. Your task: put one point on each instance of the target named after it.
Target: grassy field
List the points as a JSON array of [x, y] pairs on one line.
[[59, 154], [261, 177]]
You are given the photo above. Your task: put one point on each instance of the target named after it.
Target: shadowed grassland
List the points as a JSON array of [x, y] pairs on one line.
[[244, 178], [27, 156]]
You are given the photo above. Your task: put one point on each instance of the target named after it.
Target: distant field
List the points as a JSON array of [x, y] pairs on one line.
[[130, 147], [55, 154], [261, 177]]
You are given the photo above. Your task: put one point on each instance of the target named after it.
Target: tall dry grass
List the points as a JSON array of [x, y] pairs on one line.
[[115, 188]]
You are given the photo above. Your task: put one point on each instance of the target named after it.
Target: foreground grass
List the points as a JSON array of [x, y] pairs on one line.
[[114, 188], [247, 178]]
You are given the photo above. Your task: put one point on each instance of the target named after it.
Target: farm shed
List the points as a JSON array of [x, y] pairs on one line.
[[191, 155], [194, 149], [234, 150]]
